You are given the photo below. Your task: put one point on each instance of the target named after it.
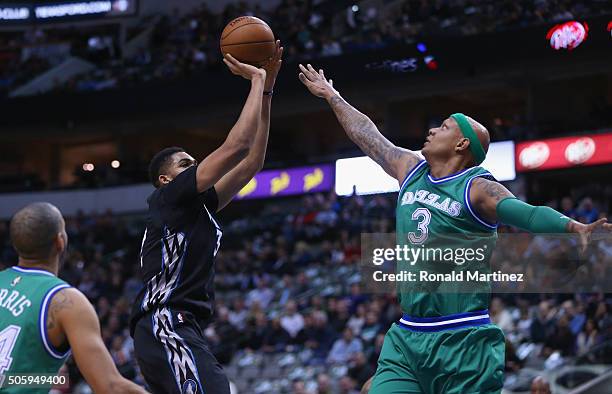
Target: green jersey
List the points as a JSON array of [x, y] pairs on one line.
[[25, 296], [435, 215]]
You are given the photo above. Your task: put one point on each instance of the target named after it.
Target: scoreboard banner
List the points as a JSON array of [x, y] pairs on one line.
[[565, 152], [57, 11], [287, 182]]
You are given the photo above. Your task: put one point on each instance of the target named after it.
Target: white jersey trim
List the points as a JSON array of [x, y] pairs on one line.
[[42, 323], [445, 322]]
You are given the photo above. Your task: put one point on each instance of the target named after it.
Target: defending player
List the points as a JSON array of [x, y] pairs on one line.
[[445, 342], [42, 318], [182, 238]]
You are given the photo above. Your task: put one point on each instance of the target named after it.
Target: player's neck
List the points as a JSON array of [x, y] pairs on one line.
[[39, 265], [442, 168]]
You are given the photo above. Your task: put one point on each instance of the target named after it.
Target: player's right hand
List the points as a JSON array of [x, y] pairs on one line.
[[316, 82], [585, 231], [246, 71]]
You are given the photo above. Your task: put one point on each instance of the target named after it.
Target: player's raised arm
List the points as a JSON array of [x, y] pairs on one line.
[[236, 179], [496, 203], [73, 314], [240, 138], [360, 129]]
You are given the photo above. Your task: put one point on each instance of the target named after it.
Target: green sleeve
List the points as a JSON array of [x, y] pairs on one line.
[[539, 219]]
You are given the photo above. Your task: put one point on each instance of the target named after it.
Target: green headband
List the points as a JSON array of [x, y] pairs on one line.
[[470, 134]]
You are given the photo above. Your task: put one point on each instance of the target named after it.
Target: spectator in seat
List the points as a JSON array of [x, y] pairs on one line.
[[360, 370], [543, 325], [501, 316], [344, 348], [261, 295], [292, 321], [587, 212], [567, 208], [323, 384], [587, 338]]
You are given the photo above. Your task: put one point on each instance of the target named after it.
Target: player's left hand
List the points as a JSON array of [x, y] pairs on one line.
[[586, 230], [316, 82], [272, 67], [244, 70]]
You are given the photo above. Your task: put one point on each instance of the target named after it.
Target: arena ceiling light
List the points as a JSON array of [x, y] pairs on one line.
[[568, 35], [49, 11], [14, 13]]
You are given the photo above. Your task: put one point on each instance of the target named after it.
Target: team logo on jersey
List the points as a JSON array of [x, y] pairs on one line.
[[180, 317], [16, 281], [449, 206], [189, 387]]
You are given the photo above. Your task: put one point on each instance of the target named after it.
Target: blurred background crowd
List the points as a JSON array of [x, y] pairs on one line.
[[291, 311], [179, 45]]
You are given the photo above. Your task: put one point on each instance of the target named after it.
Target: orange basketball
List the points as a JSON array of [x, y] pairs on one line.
[[248, 39]]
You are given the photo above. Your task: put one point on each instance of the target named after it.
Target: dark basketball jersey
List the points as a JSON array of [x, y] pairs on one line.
[[178, 249]]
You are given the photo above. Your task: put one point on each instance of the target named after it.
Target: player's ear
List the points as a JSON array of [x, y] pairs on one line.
[[163, 180], [61, 242], [462, 144]]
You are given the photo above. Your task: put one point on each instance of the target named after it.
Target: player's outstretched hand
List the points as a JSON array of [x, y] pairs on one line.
[[316, 82], [586, 230], [246, 71], [273, 66]]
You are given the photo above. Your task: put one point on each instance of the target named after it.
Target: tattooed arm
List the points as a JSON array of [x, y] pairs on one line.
[[71, 316], [360, 129], [484, 196]]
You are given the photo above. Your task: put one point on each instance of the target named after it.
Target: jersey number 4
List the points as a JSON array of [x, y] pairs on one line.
[[8, 339], [423, 216]]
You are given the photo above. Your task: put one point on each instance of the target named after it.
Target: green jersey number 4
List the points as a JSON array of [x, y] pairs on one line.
[[8, 339]]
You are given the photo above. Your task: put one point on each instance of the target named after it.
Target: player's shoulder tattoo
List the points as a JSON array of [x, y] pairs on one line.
[[61, 300], [492, 189]]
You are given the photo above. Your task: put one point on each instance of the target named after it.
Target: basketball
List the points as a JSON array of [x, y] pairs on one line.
[[248, 39]]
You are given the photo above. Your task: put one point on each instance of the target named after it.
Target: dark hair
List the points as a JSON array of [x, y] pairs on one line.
[[34, 229], [159, 162]]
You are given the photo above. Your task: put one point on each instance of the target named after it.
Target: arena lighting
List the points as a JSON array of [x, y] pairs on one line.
[[72, 9], [115, 163], [567, 35], [355, 8], [61, 10], [88, 167], [367, 177], [14, 13], [421, 47], [430, 62]]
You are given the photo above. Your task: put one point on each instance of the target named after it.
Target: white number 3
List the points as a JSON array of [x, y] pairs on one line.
[[424, 217]]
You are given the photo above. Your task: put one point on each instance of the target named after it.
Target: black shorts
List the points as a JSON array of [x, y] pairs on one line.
[[173, 355]]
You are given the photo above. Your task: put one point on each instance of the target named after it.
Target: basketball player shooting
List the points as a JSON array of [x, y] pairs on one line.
[[444, 342], [181, 241]]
